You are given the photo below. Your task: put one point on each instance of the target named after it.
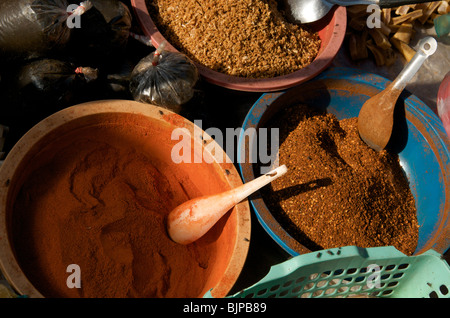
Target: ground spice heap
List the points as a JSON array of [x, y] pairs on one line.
[[246, 38], [100, 203], [338, 191]]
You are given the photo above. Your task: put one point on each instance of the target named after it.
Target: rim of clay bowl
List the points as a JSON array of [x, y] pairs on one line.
[[421, 115], [334, 23], [8, 263]]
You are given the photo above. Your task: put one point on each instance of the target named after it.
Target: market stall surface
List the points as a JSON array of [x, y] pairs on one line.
[[222, 108]]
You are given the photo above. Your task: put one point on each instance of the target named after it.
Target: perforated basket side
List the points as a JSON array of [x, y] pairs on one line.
[[355, 272]]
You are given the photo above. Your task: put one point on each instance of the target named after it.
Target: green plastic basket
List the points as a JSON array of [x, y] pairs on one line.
[[355, 272]]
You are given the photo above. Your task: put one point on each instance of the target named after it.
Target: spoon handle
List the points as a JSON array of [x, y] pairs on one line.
[[248, 188], [427, 46]]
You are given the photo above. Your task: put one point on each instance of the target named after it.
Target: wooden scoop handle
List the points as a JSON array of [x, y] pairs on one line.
[[427, 46]]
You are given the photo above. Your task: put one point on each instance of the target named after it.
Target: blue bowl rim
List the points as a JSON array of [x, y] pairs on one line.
[[418, 107]]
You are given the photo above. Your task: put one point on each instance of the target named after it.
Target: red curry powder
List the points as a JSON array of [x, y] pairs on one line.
[[99, 202]]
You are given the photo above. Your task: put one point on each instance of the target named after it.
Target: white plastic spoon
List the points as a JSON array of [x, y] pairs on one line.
[[192, 219]]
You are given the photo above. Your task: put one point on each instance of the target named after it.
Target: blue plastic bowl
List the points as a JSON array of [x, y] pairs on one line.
[[420, 141]]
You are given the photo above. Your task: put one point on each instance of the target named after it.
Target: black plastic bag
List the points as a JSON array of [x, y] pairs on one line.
[[103, 34], [47, 85], [33, 28], [165, 79]]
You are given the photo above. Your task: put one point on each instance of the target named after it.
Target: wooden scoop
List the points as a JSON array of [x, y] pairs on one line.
[[376, 117], [192, 219]]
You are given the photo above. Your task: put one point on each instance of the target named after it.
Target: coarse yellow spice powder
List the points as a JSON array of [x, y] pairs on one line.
[[245, 38]]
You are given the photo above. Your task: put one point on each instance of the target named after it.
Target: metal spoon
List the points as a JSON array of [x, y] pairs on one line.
[[192, 219], [307, 11], [376, 116]]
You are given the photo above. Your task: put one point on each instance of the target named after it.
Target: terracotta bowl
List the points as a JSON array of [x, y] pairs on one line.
[[148, 130], [331, 31]]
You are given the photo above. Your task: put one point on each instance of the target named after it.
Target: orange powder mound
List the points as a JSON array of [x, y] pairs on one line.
[[101, 204]]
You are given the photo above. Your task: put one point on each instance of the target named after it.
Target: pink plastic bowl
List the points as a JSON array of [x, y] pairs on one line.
[[443, 103], [331, 31]]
